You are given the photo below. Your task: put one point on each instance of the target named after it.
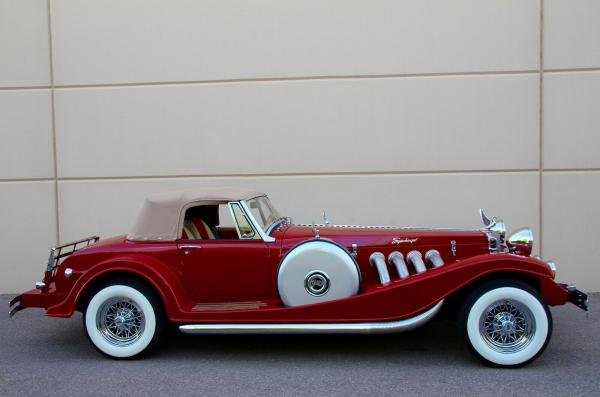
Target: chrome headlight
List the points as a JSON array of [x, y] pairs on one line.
[[552, 267], [520, 242]]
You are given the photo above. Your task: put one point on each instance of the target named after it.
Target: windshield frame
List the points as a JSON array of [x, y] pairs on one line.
[[263, 231]]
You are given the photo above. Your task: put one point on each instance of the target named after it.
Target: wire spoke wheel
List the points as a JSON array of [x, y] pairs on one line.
[[124, 319], [507, 326], [506, 323], [121, 321]]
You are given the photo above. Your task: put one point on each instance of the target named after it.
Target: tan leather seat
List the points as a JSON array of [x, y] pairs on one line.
[[197, 229]]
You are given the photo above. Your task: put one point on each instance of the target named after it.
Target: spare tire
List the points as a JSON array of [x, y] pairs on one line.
[[317, 271]]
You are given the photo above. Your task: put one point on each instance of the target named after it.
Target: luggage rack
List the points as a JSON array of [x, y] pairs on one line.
[[57, 252]]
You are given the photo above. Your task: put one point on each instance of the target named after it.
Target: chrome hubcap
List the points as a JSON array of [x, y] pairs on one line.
[[316, 283], [120, 321], [507, 326]]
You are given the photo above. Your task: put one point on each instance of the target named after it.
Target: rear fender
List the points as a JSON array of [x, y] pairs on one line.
[[158, 275]]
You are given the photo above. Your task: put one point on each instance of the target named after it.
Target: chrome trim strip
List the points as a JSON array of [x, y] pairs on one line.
[[388, 227], [316, 328]]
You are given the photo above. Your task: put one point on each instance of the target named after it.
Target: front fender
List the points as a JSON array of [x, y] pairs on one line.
[[551, 292]]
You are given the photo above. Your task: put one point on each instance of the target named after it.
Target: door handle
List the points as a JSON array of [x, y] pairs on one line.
[[186, 248]]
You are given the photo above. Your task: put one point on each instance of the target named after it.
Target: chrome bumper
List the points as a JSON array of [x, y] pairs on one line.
[[577, 297], [14, 306]]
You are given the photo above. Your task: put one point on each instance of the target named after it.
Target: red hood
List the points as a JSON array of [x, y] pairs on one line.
[[386, 236]]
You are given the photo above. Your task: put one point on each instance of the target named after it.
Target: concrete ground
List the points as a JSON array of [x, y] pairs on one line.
[[47, 356]]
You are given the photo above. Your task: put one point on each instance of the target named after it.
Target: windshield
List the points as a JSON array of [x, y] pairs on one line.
[[263, 211]]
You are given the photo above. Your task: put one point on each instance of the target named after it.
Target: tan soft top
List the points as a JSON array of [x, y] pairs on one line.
[[160, 217]]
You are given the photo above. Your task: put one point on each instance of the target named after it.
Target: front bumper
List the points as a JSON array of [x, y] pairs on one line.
[[15, 306], [577, 297]]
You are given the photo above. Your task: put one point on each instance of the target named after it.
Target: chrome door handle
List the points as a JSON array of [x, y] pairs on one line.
[[186, 248]]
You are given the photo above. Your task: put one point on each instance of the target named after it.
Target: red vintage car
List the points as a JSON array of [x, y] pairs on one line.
[[225, 261]]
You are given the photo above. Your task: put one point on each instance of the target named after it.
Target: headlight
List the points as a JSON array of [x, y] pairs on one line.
[[552, 267], [520, 242]]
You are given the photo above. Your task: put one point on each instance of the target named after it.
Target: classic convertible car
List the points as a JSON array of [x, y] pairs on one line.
[[225, 261]]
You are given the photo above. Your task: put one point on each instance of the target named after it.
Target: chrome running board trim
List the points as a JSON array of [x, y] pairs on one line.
[[315, 328]]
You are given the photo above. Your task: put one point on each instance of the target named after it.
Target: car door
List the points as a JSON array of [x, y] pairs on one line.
[[227, 269]]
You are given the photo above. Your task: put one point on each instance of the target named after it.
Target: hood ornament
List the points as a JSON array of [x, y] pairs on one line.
[[487, 221], [494, 225], [325, 219]]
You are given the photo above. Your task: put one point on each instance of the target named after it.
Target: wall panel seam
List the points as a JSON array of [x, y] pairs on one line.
[[300, 78], [572, 70], [53, 121], [541, 132], [23, 88], [301, 174]]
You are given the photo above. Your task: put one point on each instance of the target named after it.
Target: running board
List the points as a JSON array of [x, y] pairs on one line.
[[315, 328]]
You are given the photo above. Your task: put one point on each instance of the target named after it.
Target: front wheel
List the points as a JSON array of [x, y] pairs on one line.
[[123, 319], [506, 324]]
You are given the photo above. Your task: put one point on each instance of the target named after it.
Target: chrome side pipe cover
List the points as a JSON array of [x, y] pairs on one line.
[[416, 259], [397, 259], [434, 258], [316, 328], [377, 259]]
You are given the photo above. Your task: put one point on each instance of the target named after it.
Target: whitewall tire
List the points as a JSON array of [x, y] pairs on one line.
[[506, 324], [123, 319]]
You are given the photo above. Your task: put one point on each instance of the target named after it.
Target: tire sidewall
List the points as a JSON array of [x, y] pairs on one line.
[[141, 300], [518, 292]]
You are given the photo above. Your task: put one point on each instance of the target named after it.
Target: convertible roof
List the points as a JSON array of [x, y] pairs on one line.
[[161, 214]]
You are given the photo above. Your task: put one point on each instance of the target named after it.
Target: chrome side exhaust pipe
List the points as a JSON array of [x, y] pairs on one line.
[[434, 258], [377, 259], [416, 259], [397, 259]]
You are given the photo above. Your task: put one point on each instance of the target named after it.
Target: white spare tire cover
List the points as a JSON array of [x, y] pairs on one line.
[[316, 271]]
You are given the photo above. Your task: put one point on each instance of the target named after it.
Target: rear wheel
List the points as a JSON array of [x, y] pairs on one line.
[[506, 324], [123, 319]]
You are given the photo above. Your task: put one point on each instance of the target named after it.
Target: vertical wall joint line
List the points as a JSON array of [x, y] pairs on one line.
[[541, 130], [53, 119]]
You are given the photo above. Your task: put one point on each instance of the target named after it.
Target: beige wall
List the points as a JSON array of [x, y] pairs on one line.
[[392, 112]]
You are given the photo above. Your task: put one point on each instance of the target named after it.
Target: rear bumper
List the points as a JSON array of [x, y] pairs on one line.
[[34, 298]]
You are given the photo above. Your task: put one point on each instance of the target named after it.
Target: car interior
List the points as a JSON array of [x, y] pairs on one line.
[[209, 222]]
